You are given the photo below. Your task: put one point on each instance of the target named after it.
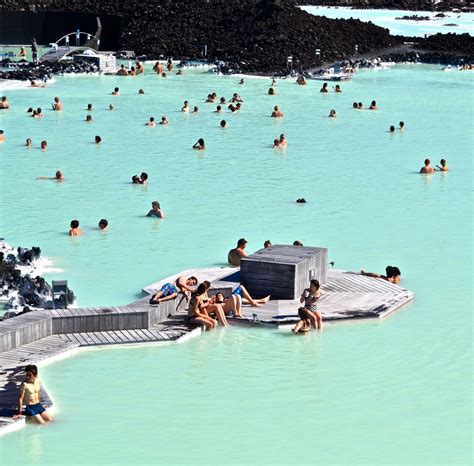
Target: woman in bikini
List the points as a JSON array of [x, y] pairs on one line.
[[197, 313]]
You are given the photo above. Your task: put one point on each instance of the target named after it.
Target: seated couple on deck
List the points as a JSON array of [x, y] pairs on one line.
[[309, 314], [170, 291], [202, 308]]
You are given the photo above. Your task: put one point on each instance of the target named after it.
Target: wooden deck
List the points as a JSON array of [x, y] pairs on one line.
[[40, 335]]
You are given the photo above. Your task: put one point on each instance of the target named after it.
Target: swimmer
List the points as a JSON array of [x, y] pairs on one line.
[[185, 107], [35, 84], [44, 145], [38, 113], [75, 230], [57, 106], [164, 120], [391, 129], [155, 210], [392, 274], [223, 124], [324, 88], [271, 91], [283, 141], [273, 82], [140, 68], [442, 167], [163, 75], [235, 255], [151, 122], [199, 145], [242, 81], [222, 101], [195, 109], [132, 71], [111, 107], [29, 393], [218, 109], [169, 65], [116, 91], [4, 104], [158, 68], [238, 106], [141, 91], [276, 144], [122, 71], [232, 108], [89, 107], [89, 118], [209, 99], [360, 106], [2, 136], [301, 200], [143, 178], [236, 98], [180, 72], [57, 177], [337, 88], [135, 179], [355, 106], [97, 139], [332, 114], [30, 110], [29, 142], [401, 125], [267, 244], [301, 80], [427, 169], [103, 224], [373, 105], [277, 113], [297, 243]]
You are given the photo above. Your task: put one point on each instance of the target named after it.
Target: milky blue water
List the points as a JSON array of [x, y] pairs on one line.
[[397, 392], [387, 18]]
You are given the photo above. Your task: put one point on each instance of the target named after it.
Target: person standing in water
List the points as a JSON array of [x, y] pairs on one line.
[[427, 169], [29, 394]]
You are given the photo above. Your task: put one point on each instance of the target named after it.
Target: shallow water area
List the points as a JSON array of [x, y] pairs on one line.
[[387, 19], [398, 391]]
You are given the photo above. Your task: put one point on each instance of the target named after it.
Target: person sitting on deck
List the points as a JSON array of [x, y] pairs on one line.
[[392, 274], [231, 304], [235, 255], [29, 393], [197, 313], [212, 307], [170, 291], [75, 230], [297, 243], [427, 169], [309, 311], [155, 210], [277, 113], [241, 291], [443, 167]]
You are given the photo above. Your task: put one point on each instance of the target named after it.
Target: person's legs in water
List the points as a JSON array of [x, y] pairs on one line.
[[46, 416], [39, 419], [319, 319]]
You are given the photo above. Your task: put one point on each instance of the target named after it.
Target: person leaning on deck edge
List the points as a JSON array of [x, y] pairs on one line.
[[236, 254]]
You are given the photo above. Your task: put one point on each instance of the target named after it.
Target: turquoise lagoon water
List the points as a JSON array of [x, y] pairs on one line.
[[386, 19], [394, 392]]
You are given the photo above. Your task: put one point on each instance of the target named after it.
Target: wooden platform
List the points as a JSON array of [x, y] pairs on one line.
[[40, 335]]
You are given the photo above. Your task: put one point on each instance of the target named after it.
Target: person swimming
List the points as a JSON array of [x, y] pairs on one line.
[[135, 179], [58, 176], [276, 143], [442, 167], [44, 145], [151, 122], [195, 109], [337, 88], [301, 80], [360, 106], [324, 88], [235, 255], [89, 118], [155, 210], [401, 125], [103, 224], [164, 120], [2, 135], [391, 129], [75, 230], [427, 169], [97, 139], [200, 145], [185, 107], [271, 91], [283, 141], [277, 113], [332, 114], [373, 105], [355, 106], [143, 178], [392, 274], [57, 106], [89, 108], [116, 91], [141, 91], [111, 107], [29, 142], [223, 124], [218, 109]]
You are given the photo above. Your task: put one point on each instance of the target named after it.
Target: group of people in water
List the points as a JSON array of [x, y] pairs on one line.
[[75, 229]]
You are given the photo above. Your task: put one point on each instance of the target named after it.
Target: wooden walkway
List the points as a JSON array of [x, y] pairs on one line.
[[41, 335]]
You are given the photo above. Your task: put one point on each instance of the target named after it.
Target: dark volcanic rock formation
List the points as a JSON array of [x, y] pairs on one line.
[[259, 35]]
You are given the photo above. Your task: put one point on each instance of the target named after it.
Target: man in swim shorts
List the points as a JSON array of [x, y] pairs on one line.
[[29, 394], [170, 291], [236, 254]]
